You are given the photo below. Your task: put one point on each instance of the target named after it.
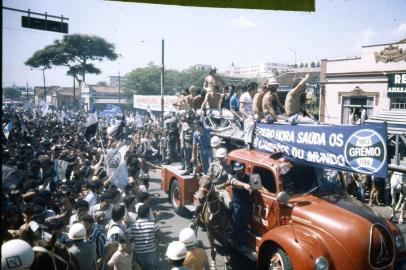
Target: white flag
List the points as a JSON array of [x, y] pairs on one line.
[[116, 168]]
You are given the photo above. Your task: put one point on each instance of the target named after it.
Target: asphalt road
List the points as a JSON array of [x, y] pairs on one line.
[[170, 224]]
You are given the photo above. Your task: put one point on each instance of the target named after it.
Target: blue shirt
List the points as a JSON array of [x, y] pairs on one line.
[[234, 102], [202, 139]]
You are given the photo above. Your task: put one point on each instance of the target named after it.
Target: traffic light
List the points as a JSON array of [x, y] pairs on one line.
[[44, 24]]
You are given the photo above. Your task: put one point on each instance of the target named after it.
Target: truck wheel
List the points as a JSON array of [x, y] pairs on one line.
[[176, 198], [279, 260]]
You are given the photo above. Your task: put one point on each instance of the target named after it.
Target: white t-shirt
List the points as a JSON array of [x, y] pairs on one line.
[[247, 100]]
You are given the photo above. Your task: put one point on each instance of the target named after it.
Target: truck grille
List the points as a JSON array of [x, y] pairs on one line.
[[381, 247]]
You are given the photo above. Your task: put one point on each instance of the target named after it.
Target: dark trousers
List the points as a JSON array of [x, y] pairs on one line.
[[171, 150], [241, 216], [187, 156]]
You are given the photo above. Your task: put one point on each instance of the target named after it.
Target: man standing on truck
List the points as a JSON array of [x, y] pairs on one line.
[[172, 127], [241, 204], [201, 146]]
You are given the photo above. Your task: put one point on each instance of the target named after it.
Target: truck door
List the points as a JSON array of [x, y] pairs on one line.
[[264, 204]]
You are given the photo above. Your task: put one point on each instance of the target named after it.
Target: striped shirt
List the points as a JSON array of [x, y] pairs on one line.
[[143, 233]]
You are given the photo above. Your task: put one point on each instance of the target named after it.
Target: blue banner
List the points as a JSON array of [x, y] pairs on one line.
[[357, 148]]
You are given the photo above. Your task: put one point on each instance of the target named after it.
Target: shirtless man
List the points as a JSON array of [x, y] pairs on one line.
[[270, 103], [211, 81], [295, 103], [191, 96], [212, 98], [257, 102]]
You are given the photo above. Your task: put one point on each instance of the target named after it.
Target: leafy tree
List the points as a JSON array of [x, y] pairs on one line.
[[306, 65], [318, 64], [147, 80], [301, 65], [11, 93], [312, 64], [77, 52]]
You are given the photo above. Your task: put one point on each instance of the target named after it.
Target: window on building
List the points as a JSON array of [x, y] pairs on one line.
[[356, 104], [398, 103]]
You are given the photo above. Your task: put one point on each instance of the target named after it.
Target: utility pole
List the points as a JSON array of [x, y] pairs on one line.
[[295, 55], [27, 90], [74, 93], [162, 83], [45, 90], [119, 90]]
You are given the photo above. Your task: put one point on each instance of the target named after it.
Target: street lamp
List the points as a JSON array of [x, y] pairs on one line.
[[295, 55], [43, 76]]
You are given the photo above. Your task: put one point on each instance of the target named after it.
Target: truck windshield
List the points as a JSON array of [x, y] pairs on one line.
[[302, 179]]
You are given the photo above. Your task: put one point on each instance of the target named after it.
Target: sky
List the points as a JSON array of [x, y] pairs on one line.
[[193, 35]]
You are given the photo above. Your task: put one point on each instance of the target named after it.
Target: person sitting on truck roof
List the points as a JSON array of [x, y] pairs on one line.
[[271, 105], [257, 102]]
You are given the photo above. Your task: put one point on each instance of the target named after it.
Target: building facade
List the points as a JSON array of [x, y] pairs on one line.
[[258, 70], [93, 96], [116, 81], [375, 81]]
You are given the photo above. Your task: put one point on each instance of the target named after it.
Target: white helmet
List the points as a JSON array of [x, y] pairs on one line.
[[167, 115], [221, 153], [187, 236], [16, 254], [215, 141], [77, 231], [176, 251]]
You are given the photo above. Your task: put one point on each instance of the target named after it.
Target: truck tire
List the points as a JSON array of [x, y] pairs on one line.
[[176, 198], [279, 260]]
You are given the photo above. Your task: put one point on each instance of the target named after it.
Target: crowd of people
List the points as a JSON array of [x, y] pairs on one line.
[[64, 211]]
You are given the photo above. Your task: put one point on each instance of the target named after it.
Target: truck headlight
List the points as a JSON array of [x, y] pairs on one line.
[[400, 243], [321, 263]]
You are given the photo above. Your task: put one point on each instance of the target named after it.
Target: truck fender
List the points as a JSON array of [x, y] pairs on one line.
[[292, 242]]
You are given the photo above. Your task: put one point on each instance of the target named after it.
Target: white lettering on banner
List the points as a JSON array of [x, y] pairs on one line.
[[280, 135], [311, 138], [365, 152], [326, 158], [298, 153], [397, 90], [336, 140], [365, 162], [400, 79]]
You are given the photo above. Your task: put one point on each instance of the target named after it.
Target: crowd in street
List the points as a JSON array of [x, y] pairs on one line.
[[62, 209]]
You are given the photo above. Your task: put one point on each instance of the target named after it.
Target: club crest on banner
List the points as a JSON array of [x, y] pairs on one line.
[[365, 151]]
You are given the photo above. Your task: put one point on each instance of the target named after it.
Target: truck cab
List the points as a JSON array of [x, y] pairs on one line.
[[303, 219]]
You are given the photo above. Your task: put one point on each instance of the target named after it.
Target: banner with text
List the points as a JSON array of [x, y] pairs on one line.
[[153, 103], [397, 85], [358, 148]]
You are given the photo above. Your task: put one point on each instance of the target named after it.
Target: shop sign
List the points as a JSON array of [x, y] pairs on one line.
[[397, 85]]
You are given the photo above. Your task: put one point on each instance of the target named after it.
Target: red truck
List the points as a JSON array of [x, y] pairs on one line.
[[303, 219]]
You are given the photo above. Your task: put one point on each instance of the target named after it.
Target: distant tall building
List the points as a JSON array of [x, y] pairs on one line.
[[114, 81], [257, 70], [201, 67]]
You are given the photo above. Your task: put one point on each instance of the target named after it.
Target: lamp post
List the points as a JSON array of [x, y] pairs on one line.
[[43, 77], [162, 82], [295, 55]]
